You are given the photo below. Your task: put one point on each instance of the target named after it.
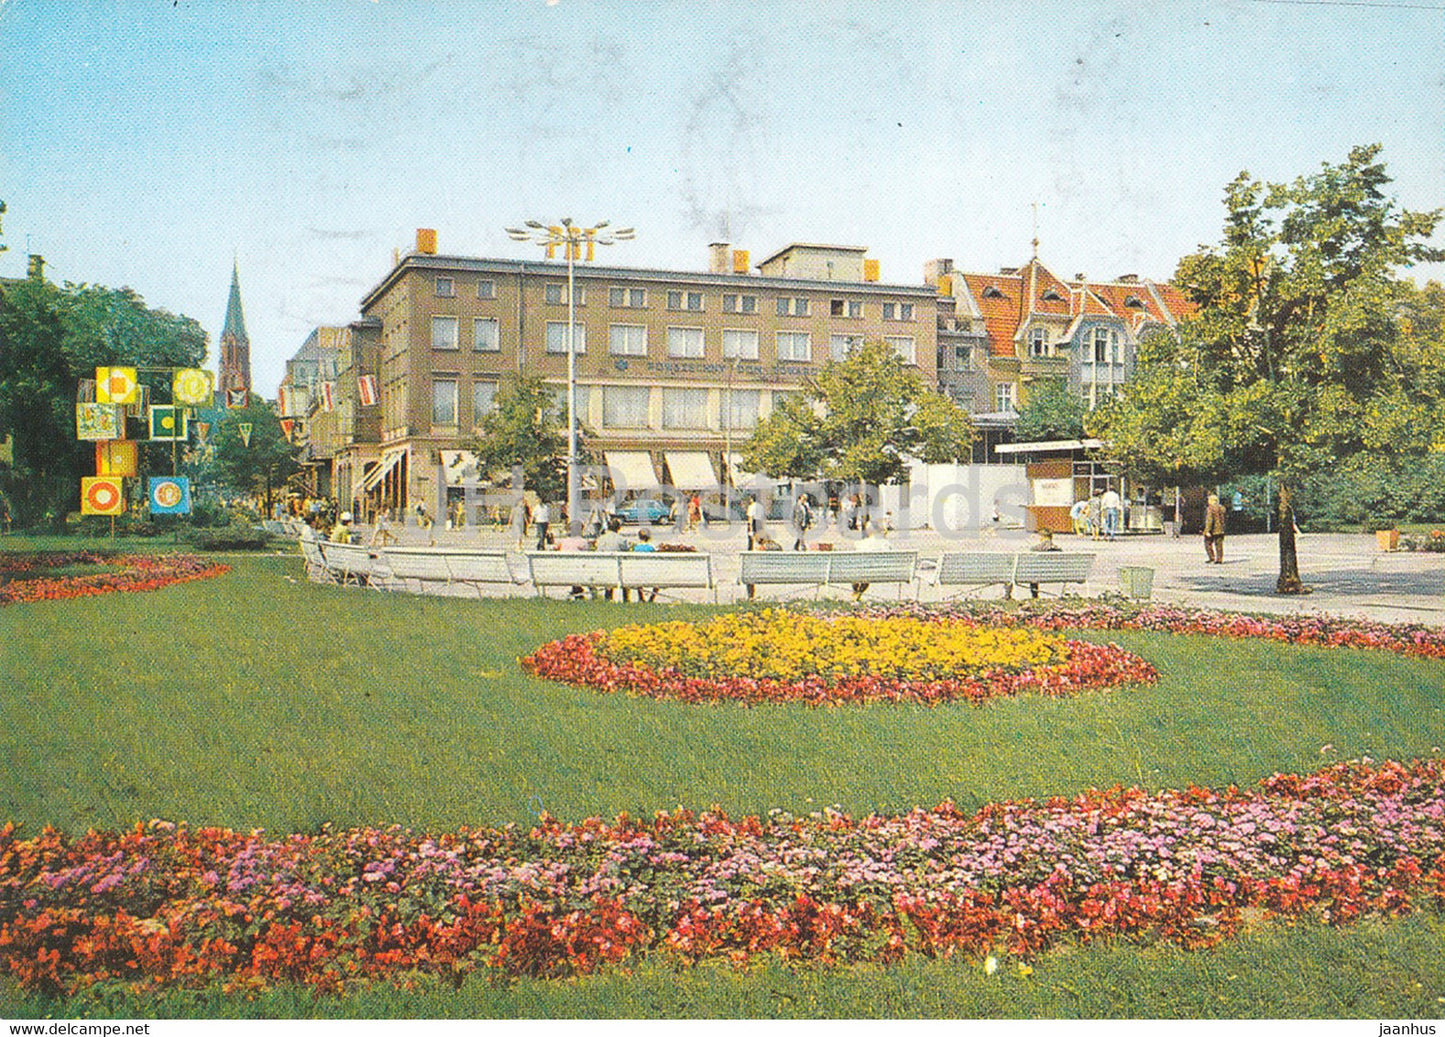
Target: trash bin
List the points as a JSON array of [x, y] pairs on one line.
[[1136, 581]]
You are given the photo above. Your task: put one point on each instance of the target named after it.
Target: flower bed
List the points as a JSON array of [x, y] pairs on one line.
[[777, 655], [22, 576], [164, 905]]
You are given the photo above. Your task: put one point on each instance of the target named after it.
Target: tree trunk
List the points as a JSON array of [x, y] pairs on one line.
[[1289, 581]]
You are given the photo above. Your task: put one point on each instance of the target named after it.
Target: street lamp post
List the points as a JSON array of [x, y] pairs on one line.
[[574, 241]]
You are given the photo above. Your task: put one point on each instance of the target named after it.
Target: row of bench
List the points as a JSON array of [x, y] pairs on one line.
[[398, 567]]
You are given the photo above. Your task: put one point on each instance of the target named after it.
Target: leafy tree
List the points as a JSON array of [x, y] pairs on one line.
[[528, 429], [1294, 362], [51, 337], [1051, 412], [859, 421], [260, 466]]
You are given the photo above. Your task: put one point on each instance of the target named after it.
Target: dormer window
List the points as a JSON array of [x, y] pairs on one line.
[[1052, 296], [1038, 342], [1134, 302], [992, 293]]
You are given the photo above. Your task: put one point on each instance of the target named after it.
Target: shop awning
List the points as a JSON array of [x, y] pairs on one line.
[[389, 460], [749, 480], [631, 470], [691, 470]]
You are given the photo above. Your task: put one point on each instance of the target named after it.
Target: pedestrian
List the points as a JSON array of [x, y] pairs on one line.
[[425, 523], [341, 532], [1079, 516], [1096, 514], [543, 519], [755, 522], [518, 521], [1214, 530], [850, 512], [694, 512], [802, 522], [382, 534], [1112, 506]]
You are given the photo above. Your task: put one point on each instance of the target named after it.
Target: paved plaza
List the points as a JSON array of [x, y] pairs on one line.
[[1347, 572]]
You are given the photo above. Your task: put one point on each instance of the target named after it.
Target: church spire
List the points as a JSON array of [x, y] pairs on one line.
[[235, 373]]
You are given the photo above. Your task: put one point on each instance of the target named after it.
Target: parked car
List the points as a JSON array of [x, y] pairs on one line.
[[643, 511]]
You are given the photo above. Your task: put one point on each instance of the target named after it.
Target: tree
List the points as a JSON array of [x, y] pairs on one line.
[[1052, 412], [1294, 361], [527, 429], [859, 421], [51, 337], [261, 465]]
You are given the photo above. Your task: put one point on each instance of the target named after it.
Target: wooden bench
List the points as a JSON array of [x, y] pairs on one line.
[[974, 570], [828, 568], [574, 569], [1032, 568], [353, 563], [665, 570], [447, 565]]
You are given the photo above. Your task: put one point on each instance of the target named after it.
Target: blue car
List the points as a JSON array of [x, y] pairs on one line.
[[643, 510]]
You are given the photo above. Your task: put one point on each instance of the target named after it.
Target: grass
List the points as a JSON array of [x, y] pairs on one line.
[[253, 701]]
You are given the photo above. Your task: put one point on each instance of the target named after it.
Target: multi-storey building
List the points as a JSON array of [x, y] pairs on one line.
[[673, 369]]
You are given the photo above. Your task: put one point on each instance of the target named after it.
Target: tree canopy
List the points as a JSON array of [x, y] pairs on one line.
[[1295, 359], [527, 429], [258, 463], [1051, 412], [859, 420]]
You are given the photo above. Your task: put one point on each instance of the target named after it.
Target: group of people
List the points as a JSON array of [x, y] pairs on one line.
[[1099, 516], [610, 539]]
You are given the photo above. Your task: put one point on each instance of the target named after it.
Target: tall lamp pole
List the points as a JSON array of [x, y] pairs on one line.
[[577, 243]]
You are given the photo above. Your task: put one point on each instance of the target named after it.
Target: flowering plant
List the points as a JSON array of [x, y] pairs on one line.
[[22, 576], [164, 905], [782, 655]]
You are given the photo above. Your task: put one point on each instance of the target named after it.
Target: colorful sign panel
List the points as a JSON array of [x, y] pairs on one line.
[[168, 422], [170, 495], [118, 457], [115, 385], [235, 398], [102, 495], [244, 428], [192, 387], [98, 421]]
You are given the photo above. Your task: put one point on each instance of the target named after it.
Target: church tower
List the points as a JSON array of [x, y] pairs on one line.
[[235, 373]]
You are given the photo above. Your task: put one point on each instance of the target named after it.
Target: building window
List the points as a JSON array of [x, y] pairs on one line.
[[684, 342], [486, 289], [627, 340], [897, 311], [741, 408], [556, 294], [1038, 342], [795, 345], [684, 408], [964, 356], [484, 400], [627, 298], [839, 346], [624, 406], [738, 344], [679, 300], [446, 288], [444, 333], [444, 401], [1004, 397], [557, 337], [740, 303], [486, 335], [855, 308], [1103, 339], [837, 308], [797, 307], [904, 346], [583, 398]]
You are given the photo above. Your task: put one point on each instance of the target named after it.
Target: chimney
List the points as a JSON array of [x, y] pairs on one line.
[[935, 269], [870, 270], [35, 268], [719, 258], [740, 260], [1128, 278], [426, 241]]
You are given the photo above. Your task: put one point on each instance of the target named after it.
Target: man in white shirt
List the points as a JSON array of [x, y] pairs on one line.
[[543, 518], [755, 522], [1113, 508]]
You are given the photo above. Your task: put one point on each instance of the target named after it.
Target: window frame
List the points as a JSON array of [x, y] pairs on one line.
[[701, 342], [478, 383], [441, 320], [611, 341], [911, 357], [794, 336], [486, 288], [496, 347], [437, 381], [448, 292], [735, 355], [562, 351]]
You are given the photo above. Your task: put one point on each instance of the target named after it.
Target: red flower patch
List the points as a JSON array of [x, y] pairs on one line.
[[22, 579]]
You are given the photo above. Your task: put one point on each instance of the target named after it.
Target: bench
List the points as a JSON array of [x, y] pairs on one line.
[[316, 568], [828, 568], [974, 569], [665, 569], [447, 565], [574, 569], [353, 563], [1033, 568]]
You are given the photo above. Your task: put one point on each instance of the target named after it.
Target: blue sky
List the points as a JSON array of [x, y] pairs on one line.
[[148, 143]]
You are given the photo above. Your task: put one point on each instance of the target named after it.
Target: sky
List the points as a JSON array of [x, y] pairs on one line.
[[154, 143]]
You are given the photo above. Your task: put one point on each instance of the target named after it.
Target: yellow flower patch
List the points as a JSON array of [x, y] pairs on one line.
[[788, 646]]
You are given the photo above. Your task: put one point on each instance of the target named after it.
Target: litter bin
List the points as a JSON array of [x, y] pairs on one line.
[[1136, 581]]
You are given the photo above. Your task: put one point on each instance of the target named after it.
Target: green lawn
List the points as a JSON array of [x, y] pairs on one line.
[[254, 701]]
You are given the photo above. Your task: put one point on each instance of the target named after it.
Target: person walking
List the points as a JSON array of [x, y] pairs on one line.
[[694, 512], [802, 522], [1214, 519], [543, 519], [755, 522], [1096, 514], [517, 520]]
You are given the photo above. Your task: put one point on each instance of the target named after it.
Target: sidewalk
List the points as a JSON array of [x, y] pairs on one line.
[[1347, 573]]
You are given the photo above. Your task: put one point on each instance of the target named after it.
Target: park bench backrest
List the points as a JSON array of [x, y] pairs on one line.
[[573, 568], [1052, 567], [665, 569], [872, 567], [784, 567], [975, 569], [349, 559], [311, 551], [273, 526], [411, 563], [479, 567]]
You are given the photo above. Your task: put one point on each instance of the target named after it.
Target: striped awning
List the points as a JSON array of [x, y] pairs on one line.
[[389, 460], [631, 470], [691, 470]]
